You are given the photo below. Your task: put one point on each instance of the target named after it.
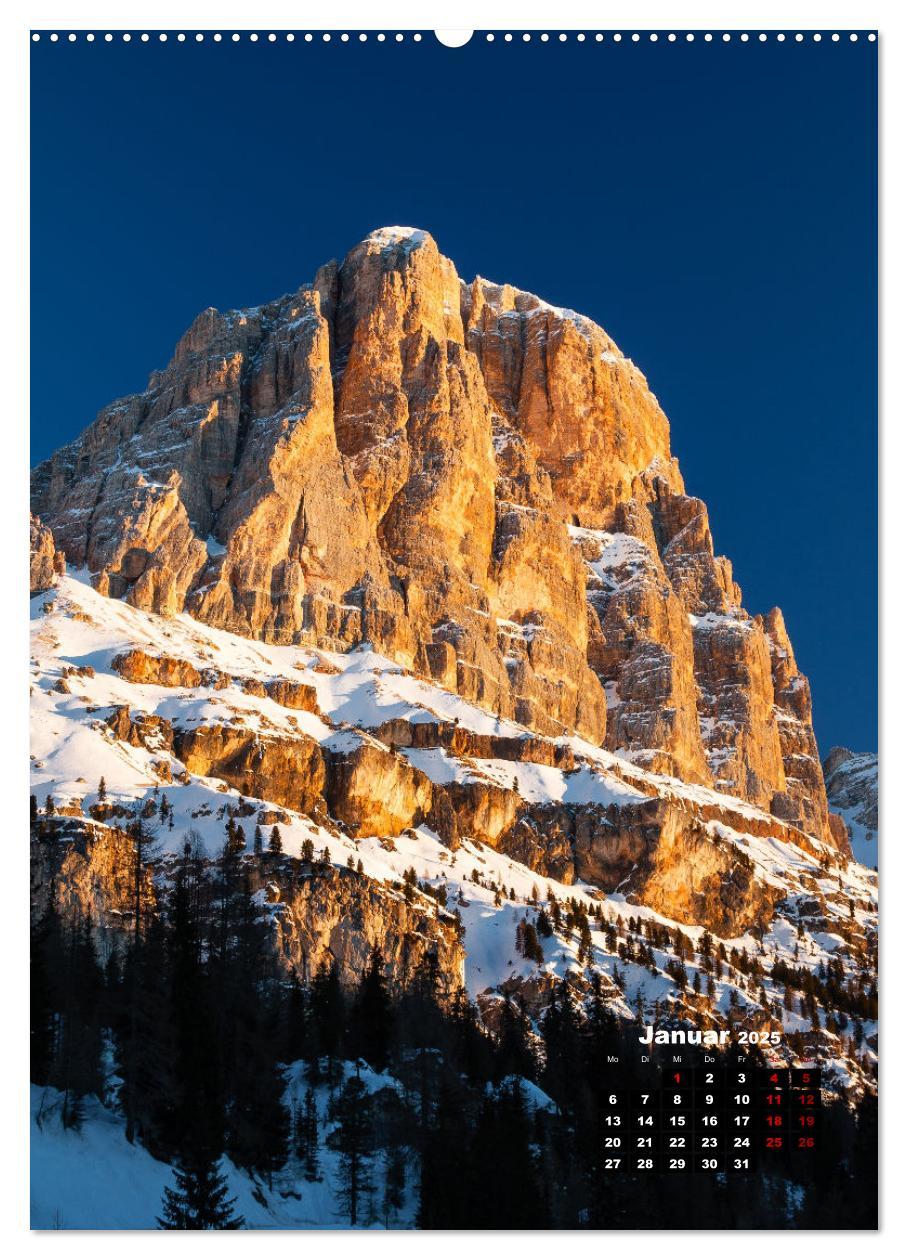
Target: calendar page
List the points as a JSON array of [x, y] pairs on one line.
[[453, 629]]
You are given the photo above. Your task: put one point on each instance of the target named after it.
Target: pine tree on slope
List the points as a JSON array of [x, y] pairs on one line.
[[308, 1143], [353, 1139], [372, 1013], [199, 1200]]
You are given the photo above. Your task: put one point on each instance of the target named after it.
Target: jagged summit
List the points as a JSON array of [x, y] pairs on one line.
[[477, 484]]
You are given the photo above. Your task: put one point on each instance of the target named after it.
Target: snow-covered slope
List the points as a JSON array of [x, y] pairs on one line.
[[93, 1178], [825, 908]]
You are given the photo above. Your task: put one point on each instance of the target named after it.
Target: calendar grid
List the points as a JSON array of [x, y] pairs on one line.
[[712, 1119]]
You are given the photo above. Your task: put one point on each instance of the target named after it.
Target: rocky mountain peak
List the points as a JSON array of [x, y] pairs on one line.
[[477, 484]]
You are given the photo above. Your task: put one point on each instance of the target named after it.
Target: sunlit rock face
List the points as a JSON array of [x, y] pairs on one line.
[[477, 484], [364, 804], [46, 563]]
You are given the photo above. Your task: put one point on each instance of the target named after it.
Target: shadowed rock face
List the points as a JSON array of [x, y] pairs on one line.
[[852, 782], [320, 916], [475, 482]]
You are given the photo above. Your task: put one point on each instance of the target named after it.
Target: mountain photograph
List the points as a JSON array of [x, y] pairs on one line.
[[405, 765]]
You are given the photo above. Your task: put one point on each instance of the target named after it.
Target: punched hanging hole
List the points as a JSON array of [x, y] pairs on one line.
[[453, 39]]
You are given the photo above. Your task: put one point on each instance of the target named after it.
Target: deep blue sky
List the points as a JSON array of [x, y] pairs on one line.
[[713, 206]]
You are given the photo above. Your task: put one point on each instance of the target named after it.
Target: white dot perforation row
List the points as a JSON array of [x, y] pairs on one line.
[[399, 37]]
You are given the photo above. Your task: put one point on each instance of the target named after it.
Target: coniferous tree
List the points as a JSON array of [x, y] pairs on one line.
[[143, 851], [504, 1187], [446, 1135], [258, 1123], [237, 840], [247, 1020], [395, 1180], [308, 1143], [528, 942], [44, 953], [296, 1021], [372, 1013], [353, 1140], [275, 843], [471, 1045], [563, 1077], [513, 1051], [585, 947], [199, 1199], [197, 1032], [258, 841], [67, 1002], [76, 1065], [144, 1038]]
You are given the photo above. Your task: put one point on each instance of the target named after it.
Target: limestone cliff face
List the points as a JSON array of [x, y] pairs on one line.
[[478, 484], [337, 917], [537, 800], [90, 871]]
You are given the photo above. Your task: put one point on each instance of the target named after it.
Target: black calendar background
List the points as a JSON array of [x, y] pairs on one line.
[[737, 1140]]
